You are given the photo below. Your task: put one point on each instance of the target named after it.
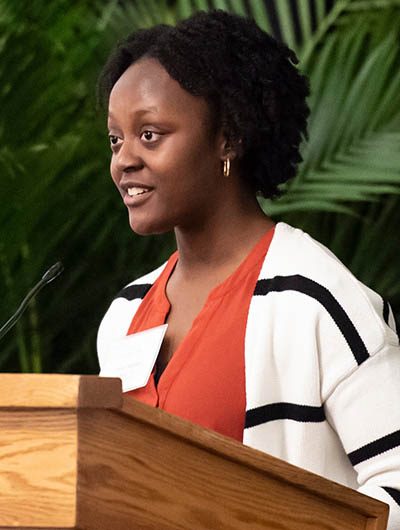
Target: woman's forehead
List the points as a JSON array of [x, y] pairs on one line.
[[147, 85]]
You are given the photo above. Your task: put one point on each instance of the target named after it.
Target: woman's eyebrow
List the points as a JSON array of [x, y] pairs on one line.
[[138, 112]]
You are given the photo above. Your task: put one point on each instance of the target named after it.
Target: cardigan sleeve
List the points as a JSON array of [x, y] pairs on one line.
[[364, 409]]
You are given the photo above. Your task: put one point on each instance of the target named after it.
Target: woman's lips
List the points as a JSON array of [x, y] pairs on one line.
[[136, 195]]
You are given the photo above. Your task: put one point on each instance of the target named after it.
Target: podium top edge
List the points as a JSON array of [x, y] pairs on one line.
[[59, 391]]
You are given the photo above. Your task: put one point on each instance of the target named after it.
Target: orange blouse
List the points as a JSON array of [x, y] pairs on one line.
[[204, 382]]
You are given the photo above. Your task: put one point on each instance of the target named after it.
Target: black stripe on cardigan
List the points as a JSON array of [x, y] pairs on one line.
[[323, 296], [375, 448], [395, 494], [283, 411], [386, 312], [134, 291]]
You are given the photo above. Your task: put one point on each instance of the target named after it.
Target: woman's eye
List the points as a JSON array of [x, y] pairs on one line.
[[149, 136], [113, 139]]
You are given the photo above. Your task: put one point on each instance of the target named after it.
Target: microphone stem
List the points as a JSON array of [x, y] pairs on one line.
[[10, 322]]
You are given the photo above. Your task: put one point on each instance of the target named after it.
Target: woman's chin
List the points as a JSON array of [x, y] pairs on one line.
[[148, 227]]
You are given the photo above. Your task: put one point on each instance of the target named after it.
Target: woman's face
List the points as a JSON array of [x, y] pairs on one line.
[[166, 158]]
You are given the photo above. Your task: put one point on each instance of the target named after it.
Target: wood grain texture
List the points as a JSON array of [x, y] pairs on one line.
[[166, 473], [259, 461], [59, 390], [38, 471]]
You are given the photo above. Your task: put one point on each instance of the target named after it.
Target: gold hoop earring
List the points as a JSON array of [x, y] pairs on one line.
[[227, 167]]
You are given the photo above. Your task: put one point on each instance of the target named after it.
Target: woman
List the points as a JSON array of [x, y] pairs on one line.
[[270, 339]]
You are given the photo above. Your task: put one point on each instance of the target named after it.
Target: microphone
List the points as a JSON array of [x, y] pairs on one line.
[[47, 277]]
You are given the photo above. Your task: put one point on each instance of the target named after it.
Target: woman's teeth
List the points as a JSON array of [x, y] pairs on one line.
[[136, 191]]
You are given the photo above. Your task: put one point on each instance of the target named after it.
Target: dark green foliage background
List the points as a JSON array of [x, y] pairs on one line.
[[58, 202]]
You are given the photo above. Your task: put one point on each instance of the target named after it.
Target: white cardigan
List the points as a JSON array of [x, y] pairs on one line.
[[322, 363]]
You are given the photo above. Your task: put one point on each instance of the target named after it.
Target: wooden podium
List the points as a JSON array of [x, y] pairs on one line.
[[75, 453]]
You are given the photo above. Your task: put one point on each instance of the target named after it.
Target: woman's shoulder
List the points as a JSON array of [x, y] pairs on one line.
[[295, 253], [293, 250], [296, 262]]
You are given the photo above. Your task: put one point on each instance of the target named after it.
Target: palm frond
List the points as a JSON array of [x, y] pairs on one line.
[[350, 141]]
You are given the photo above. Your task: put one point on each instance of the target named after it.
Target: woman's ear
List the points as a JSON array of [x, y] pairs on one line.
[[227, 149]]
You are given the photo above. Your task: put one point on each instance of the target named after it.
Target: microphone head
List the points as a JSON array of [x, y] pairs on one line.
[[54, 271]]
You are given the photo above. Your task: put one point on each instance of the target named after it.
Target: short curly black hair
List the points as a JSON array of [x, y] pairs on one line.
[[255, 92]]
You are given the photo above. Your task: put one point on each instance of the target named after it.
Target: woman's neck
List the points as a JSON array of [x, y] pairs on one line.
[[223, 240]]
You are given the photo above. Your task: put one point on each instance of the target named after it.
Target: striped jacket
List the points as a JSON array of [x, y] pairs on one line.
[[322, 363]]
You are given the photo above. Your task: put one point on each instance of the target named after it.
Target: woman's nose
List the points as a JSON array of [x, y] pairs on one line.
[[127, 158]]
